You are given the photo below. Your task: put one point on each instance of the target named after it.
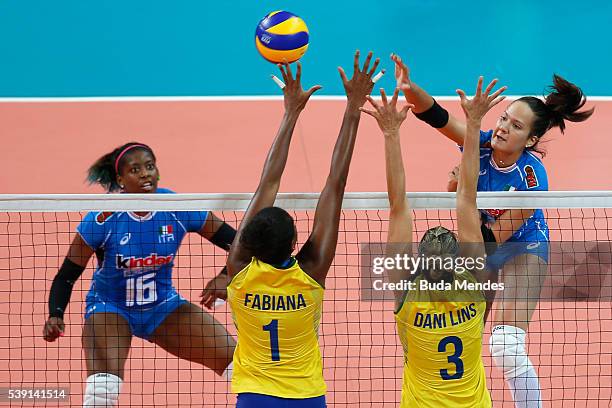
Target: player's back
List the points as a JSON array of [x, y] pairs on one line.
[[277, 314], [442, 343]]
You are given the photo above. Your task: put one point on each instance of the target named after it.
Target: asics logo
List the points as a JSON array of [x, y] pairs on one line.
[[125, 239]]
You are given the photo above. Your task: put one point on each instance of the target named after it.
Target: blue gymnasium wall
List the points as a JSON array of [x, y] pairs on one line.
[[200, 47]]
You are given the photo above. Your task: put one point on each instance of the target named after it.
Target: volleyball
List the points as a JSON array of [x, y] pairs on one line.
[[281, 36]]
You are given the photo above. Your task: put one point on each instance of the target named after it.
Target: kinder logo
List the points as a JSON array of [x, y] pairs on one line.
[[150, 261]]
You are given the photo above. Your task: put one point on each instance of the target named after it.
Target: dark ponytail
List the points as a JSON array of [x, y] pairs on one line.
[[103, 171], [562, 103]]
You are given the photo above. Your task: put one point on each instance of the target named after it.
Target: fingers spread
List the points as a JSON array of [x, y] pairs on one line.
[[342, 75], [366, 64], [394, 98], [383, 96], [479, 86], [373, 103], [289, 74], [496, 101], [405, 110], [283, 73], [376, 62], [369, 112], [313, 89], [498, 92], [298, 75], [490, 86]]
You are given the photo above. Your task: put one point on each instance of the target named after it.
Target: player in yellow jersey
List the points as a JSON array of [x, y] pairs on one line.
[[441, 326], [275, 298]]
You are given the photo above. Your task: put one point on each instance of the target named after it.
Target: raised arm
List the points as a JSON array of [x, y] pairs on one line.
[[424, 108], [295, 100], [399, 236], [318, 252], [468, 217]]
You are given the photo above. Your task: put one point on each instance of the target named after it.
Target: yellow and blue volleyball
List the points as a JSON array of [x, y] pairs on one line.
[[281, 36]]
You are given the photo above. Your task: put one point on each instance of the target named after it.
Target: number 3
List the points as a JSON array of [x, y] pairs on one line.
[[453, 358]]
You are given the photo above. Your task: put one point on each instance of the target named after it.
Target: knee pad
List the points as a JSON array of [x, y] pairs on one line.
[[507, 346], [102, 390]]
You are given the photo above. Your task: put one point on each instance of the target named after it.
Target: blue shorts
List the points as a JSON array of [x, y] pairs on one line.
[[532, 244], [248, 400], [531, 238], [143, 322]]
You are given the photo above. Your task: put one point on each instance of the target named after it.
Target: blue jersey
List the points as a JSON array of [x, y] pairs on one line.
[[527, 174], [136, 254]]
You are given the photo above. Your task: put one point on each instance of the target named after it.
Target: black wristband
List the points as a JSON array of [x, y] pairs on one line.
[[224, 237], [61, 288], [436, 116]]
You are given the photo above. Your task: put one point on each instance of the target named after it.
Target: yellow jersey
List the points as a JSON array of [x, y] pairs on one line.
[[442, 342], [277, 314]]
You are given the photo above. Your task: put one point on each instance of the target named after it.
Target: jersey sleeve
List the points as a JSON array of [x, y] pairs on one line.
[[192, 220], [94, 228], [485, 137], [534, 175]]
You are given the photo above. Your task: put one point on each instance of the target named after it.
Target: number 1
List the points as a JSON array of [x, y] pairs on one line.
[[272, 327]]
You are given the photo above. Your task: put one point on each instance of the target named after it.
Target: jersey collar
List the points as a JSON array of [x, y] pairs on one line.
[[139, 218], [508, 169]]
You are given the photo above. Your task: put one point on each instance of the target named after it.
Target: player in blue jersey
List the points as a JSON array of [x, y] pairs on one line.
[[131, 291], [508, 163]]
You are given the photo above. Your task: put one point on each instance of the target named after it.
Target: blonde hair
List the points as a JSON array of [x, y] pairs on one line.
[[438, 241]]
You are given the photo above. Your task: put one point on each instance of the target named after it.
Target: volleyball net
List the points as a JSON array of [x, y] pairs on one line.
[[569, 338]]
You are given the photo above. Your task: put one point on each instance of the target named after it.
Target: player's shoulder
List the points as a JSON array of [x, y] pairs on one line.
[[533, 170], [98, 217], [530, 158], [161, 190]]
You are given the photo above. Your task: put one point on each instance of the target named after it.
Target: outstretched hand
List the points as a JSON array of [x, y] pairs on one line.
[[295, 96], [388, 117], [361, 84], [215, 289], [482, 102], [402, 73]]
